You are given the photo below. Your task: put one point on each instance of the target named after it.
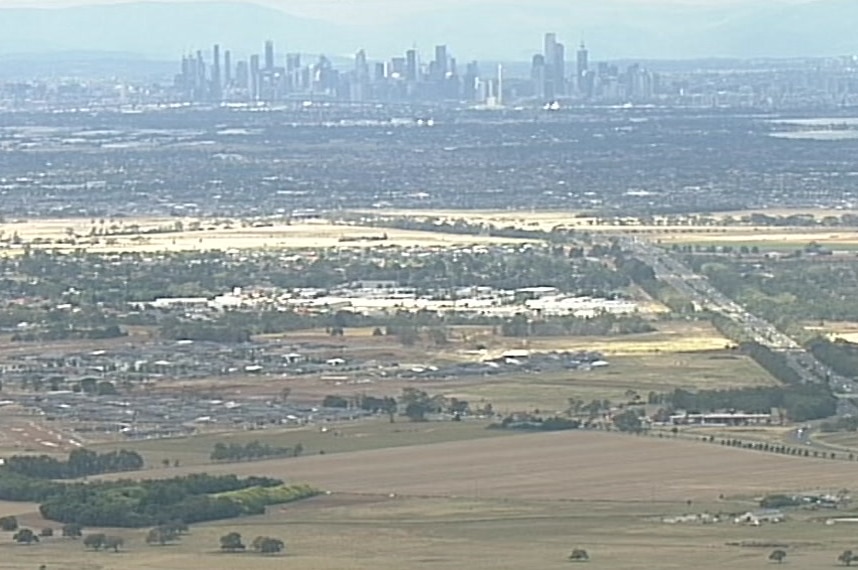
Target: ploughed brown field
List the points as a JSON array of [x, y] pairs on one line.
[[572, 465]]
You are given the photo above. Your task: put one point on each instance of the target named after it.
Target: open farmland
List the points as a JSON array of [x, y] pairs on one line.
[[166, 234], [571, 466], [381, 533]]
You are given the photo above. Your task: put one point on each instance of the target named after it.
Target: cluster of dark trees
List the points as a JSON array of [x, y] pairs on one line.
[[61, 332], [773, 362], [188, 499], [386, 404], [252, 450], [786, 291], [799, 402], [600, 325], [842, 423], [232, 542], [533, 422], [839, 355], [80, 463]]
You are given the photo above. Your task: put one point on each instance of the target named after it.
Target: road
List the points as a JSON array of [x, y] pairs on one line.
[[706, 297]]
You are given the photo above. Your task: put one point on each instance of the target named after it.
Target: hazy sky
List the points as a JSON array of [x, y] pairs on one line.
[[345, 11]]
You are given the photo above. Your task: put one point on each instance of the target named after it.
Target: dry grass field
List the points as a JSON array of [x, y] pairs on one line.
[[738, 235], [381, 533], [219, 235], [502, 502], [571, 466]]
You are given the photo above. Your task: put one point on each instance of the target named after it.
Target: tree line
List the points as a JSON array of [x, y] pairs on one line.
[[252, 450], [800, 403], [80, 463], [189, 499]]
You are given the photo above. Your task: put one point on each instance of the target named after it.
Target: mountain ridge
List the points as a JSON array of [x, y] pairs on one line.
[[612, 28]]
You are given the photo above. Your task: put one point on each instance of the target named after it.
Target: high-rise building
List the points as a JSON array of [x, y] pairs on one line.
[[441, 62], [242, 75], [411, 65], [581, 69], [254, 78], [269, 55], [216, 92], [537, 76], [559, 69], [359, 87], [227, 68]]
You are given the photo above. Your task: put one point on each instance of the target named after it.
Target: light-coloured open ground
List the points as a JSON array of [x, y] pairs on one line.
[[131, 235], [383, 533], [736, 235], [575, 465]]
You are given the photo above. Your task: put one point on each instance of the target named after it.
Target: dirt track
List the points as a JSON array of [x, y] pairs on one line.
[[566, 465]]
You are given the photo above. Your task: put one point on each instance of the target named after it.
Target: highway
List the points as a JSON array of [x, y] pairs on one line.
[[706, 297]]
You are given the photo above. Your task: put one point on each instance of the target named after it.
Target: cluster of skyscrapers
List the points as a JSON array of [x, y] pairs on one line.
[[221, 79], [270, 78]]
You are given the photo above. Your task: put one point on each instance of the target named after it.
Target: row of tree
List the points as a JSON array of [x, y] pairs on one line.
[[80, 463], [233, 542], [800, 402], [252, 450]]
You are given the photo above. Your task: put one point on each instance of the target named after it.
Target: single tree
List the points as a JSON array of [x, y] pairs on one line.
[[25, 536], [94, 541], [267, 545], [161, 535], [114, 542], [847, 557], [778, 556], [231, 542], [579, 555], [8, 524], [72, 530]]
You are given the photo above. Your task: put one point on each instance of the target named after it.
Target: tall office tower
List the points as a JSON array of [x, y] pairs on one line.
[[441, 62], [470, 82], [293, 73], [537, 76], [559, 69], [216, 85], [359, 87], [227, 68], [242, 75], [582, 68], [200, 79], [269, 55], [499, 92], [254, 78], [411, 65], [548, 53]]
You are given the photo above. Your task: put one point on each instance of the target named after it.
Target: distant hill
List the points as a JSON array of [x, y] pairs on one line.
[[161, 29], [507, 30]]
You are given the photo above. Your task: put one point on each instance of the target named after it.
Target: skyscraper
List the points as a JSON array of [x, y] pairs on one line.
[[411, 65], [227, 68], [441, 62], [269, 55], [216, 85], [550, 55], [582, 67], [537, 76], [254, 78]]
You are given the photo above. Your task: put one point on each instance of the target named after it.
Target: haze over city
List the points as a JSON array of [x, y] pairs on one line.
[[671, 29]]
